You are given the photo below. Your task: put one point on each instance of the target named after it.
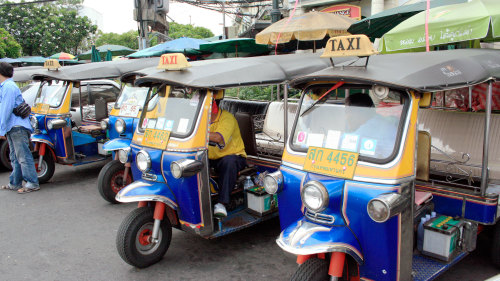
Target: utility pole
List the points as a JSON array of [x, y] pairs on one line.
[[224, 35], [275, 12]]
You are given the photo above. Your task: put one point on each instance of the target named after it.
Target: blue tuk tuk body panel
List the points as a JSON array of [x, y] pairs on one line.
[[343, 227]]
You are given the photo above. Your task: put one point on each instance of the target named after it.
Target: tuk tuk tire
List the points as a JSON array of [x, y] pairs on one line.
[[314, 269], [4, 155], [495, 250], [48, 162], [128, 238], [107, 176]]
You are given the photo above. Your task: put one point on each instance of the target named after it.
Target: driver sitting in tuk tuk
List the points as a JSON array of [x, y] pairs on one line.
[[228, 156]]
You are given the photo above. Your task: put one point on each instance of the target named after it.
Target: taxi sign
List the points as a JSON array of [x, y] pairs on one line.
[[174, 61], [352, 45], [51, 64], [155, 138], [337, 163]]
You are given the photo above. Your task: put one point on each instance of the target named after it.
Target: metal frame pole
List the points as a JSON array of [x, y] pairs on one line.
[[486, 141]]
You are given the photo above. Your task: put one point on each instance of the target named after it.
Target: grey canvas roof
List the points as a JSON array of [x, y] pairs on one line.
[[96, 70], [23, 74], [424, 71], [233, 72]]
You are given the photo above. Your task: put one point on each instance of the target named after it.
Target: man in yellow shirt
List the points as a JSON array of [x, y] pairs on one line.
[[228, 155]]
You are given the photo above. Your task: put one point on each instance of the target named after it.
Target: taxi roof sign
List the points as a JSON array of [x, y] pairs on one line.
[[174, 61], [51, 64], [351, 45]]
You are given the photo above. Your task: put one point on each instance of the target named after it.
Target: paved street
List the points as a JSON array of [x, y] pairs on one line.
[[67, 232]]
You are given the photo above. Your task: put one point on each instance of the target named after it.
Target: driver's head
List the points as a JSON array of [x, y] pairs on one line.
[[216, 101], [356, 116]]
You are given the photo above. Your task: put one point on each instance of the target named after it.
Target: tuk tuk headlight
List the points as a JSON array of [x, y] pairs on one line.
[[104, 124], [385, 206], [185, 168], [273, 182], [55, 124], [123, 155], [120, 126], [314, 196], [34, 122], [143, 161]]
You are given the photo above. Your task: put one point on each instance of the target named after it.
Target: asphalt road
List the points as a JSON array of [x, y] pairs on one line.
[[66, 231]]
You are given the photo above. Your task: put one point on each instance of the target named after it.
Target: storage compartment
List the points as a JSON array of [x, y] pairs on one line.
[[260, 202], [442, 237]]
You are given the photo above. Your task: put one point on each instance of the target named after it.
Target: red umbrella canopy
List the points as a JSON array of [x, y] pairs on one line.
[[62, 56]]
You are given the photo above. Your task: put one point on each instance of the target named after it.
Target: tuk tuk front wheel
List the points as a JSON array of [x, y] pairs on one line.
[[4, 155], [495, 250], [314, 269], [111, 180], [46, 170], [133, 241]]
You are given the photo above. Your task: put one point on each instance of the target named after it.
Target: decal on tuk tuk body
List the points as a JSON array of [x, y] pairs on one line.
[[337, 163], [155, 138]]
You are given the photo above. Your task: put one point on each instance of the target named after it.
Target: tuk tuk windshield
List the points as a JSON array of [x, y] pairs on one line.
[[51, 93], [131, 95], [363, 122], [176, 111]]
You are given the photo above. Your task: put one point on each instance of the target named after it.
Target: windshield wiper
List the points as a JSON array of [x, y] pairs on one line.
[[336, 86]]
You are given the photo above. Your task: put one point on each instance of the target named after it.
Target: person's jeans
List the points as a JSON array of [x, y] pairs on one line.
[[227, 169], [23, 166]]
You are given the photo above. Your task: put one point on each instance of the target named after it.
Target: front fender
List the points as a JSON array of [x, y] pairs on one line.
[[142, 190], [42, 138], [307, 238], [117, 144]]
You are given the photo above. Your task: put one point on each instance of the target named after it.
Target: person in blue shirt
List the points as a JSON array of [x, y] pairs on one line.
[[17, 131]]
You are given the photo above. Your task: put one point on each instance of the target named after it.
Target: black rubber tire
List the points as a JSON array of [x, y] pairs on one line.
[[495, 250], [110, 177], [313, 269], [127, 239], [48, 161], [4, 155]]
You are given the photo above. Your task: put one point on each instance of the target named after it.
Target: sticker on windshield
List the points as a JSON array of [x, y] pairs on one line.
[[350, 142], [315, 140], [332, 139], [301, 138], [169, 125], [160, 123], [368, 146], [151, 123], [128, 110], [144, 122], [183, 124]]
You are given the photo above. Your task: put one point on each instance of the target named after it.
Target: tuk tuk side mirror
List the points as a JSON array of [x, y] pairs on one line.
[[425, 100], [76, 84]]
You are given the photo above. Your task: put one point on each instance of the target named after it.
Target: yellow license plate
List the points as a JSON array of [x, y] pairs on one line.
[[331, 162], [155, 138], [43, 108]]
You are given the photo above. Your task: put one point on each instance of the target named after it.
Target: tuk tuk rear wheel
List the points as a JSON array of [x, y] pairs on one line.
[[110, 180], [47, 168], [495, 250], [133, 239], [4, 155], [314, 269]]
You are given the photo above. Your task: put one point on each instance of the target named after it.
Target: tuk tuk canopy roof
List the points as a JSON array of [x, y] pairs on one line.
[[23, 74], [96, 70], [426, 71], [234, 72]]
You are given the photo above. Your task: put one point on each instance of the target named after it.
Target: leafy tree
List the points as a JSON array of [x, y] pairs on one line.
[[8, 45], [259, 93], [127, 39], [45, 29], [178, 30]]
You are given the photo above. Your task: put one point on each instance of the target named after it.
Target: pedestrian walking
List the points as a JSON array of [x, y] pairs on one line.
[[17, 130]]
